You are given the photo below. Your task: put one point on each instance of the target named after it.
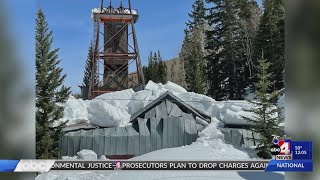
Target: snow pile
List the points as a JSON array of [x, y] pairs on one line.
[[140, 100], [200, 102], [174, 87], [107, 110], [103, 158], [75, 110], [118, 98], [211, 131], [159, 88], [154, 86], [87, 155], [209, 146], [114, 109], [152, 91], [229, 112], [104, 114], [232, 111]]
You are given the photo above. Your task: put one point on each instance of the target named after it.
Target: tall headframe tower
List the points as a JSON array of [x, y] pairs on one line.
[[115, 49]]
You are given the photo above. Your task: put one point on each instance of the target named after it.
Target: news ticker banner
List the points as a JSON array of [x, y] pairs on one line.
[[288, 155], [52, 165]]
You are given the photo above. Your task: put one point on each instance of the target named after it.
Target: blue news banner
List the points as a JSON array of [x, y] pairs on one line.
[[294, 156]]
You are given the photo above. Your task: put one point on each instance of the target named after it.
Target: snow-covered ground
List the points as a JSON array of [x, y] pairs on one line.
[[160, 175], [209, 146]]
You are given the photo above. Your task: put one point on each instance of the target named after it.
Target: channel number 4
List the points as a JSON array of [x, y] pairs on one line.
[[285, 147]]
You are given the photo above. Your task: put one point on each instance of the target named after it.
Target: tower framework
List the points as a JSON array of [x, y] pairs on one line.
[[115, 50]]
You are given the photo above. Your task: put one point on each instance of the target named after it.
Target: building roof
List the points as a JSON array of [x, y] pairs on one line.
[[78, 126], [168, 96], [170, 105]]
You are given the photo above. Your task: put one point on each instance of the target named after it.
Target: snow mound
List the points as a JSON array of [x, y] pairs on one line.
[[114, 109], [87, 155], [104, 114], [75, 111], [69, 157], [154, 86], [229, 112], [174, 87], [139, 100], [169, 86], [209, 146], [103, 157], [152, 91], [211, 131], [200, 102], [118, 98], [232, 111]]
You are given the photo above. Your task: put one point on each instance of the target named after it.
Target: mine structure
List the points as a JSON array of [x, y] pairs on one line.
[[115, 50]]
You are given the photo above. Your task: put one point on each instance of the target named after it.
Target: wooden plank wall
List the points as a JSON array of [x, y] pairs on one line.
[[164, 126]]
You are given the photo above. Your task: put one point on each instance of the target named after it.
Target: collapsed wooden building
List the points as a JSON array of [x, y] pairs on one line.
[[166, 122]]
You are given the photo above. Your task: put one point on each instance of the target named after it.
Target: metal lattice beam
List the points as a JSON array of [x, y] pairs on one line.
[[116, 55]]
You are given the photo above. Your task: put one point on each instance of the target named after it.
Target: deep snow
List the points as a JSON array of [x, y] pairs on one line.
[[209, 146], [115, 109]]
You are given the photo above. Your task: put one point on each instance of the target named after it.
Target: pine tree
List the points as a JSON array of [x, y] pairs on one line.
[[146, 73], [227, 45], [148, 70], [155, 75], [196, 80], [249, 16], [181, 77], [173, 77], [88, 69], [266, 119], [185, 54], [50, 92], [177, 72], [156, 69], [151, 66], [192, 51], [197, 15], [162, 69], [270, 39], [217, 42]]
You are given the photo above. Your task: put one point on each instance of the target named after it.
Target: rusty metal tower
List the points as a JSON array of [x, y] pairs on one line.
[[115, 49]]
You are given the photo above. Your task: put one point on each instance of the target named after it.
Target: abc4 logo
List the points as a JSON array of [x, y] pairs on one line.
[[281, 147]]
